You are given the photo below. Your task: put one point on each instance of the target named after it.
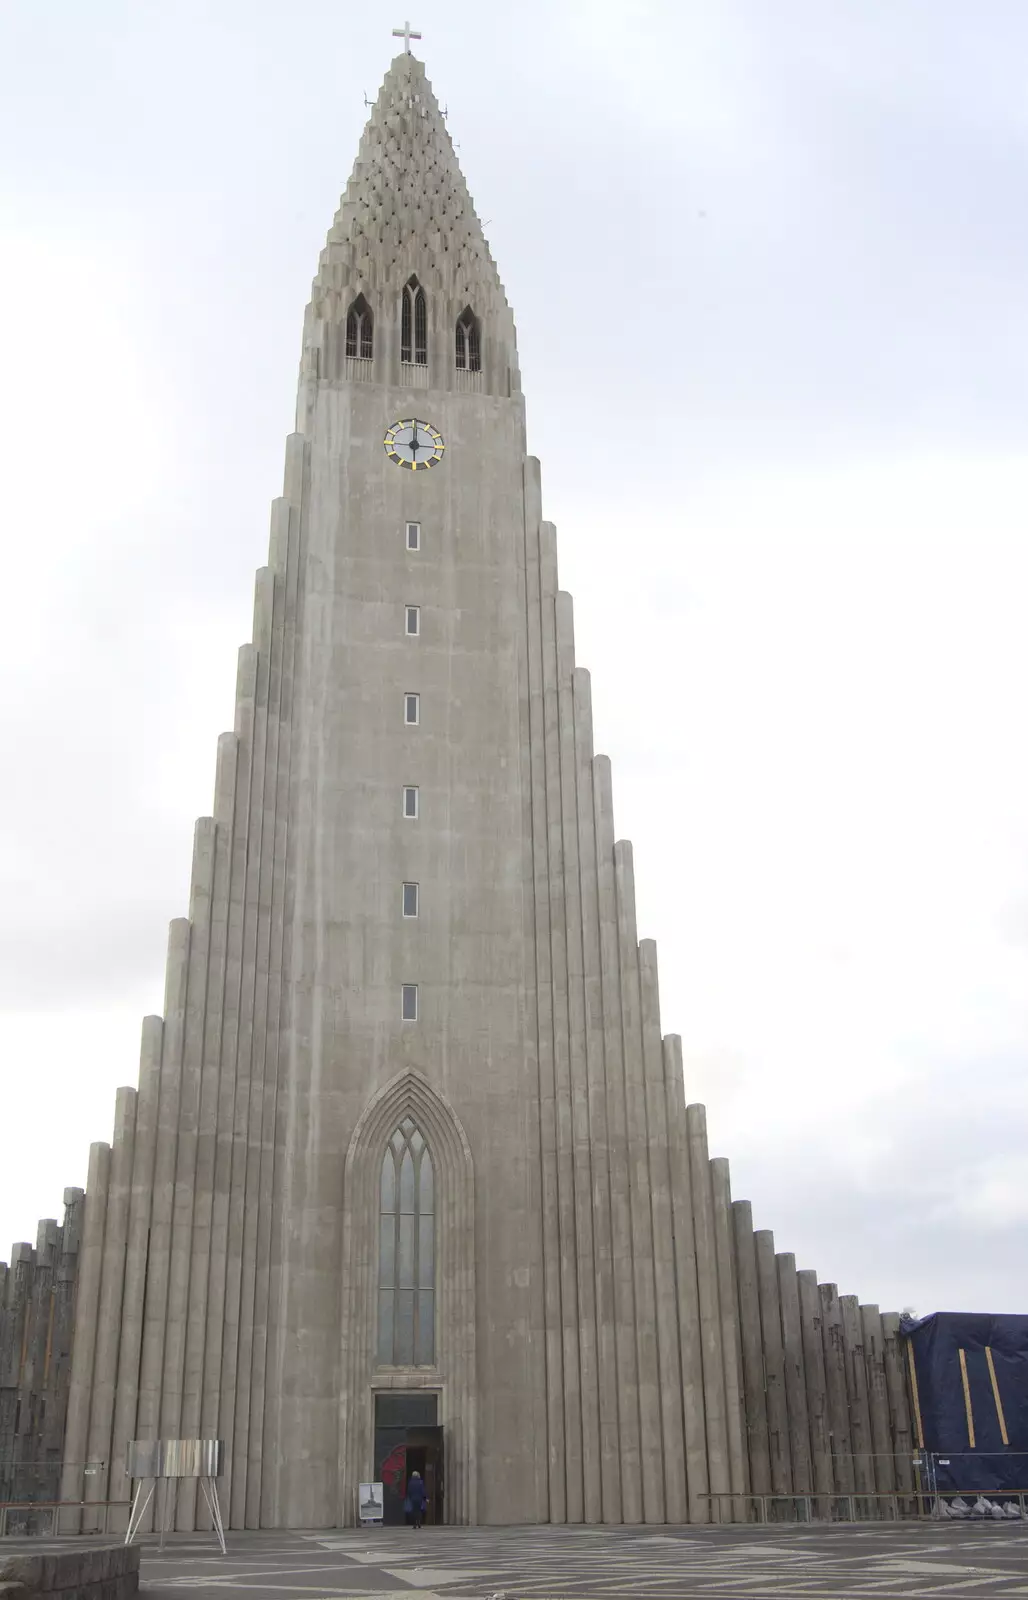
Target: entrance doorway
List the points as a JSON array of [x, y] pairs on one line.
[[408, 1439]]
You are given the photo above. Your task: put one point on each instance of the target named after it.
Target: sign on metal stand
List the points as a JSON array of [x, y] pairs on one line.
[[370, 1503], [153, 1461]]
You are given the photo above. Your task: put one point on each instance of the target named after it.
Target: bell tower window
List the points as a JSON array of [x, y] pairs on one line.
[[406, 1252], [469, 344], [359, 325], [414, 324]]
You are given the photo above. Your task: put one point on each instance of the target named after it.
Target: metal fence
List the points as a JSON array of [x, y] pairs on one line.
[[794, 1508], [49, 1519]]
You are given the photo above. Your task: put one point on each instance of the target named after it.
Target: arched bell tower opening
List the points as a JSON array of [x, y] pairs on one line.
[[408, 1302]]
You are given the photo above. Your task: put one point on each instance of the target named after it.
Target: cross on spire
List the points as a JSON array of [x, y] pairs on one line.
[[406, 34]]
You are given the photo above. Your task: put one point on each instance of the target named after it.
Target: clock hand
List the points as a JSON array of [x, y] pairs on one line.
[[415, 446]]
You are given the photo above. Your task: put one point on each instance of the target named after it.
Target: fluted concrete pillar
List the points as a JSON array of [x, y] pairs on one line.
[[752, 1348], [795, 1386], [835, 1385], [817, 1394], [76, 1438]]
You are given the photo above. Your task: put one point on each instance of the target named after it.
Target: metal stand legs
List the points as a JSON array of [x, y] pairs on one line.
[[145, 1493], [210, 1492], [139, 1505]]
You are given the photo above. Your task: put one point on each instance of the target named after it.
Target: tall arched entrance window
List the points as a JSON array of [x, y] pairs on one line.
[[406, 1251]]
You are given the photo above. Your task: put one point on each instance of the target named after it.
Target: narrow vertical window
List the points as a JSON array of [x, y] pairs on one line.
[[409, 1002], [412, 709], [410, 900], [414, 536], [359, 325], [406, 1251], [414, 324], [469, 344], [410, 802], [413, 622]]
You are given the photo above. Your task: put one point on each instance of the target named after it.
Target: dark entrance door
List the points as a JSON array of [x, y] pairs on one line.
[[408, 1439]]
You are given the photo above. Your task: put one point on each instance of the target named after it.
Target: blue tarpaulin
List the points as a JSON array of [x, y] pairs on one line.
[[970, 1391]]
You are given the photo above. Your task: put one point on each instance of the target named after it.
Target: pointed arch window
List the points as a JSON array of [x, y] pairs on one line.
[[469, 343], [359, 330], [406, 1251], [414, 324]]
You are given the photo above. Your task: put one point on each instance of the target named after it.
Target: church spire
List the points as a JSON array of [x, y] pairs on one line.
[[406, 215]]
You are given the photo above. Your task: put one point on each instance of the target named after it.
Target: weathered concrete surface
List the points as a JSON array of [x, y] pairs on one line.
[[37, 1302], [86, 1572]]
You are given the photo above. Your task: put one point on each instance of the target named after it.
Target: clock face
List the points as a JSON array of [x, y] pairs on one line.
[[414, 444]]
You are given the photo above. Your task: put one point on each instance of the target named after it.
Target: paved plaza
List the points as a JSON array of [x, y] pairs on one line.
[[986, 1561]]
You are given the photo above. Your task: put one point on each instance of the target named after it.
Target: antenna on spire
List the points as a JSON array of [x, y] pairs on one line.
[[406, 34]]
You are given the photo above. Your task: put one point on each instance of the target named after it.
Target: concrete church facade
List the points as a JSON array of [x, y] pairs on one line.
[[410, 1158]]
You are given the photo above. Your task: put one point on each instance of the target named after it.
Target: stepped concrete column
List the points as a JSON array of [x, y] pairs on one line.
[[878, 1399], [817, 1393], [87, 1306], [752, 1348], [856, 1387], [893, 1356], [731, 1341], [101, 1449], [795, 1385], [690, 1336], [137, 1250], [835, 1385], [718, 1457], [774, 1362], [606, 1316]]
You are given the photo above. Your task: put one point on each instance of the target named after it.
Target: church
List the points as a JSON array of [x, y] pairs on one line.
[[409, 1177]]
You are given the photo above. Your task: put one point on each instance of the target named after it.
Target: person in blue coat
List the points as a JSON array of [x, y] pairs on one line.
[[416, 1498]]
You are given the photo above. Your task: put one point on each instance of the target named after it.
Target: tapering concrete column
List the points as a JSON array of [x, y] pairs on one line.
[[668, 1337], [640, 1193], [76, 1438], [137, 1252], [184, 1194], [795, 1386], [620, 1164], [592, 1503], [155, 1312], [254, 1043], [710, 1306], [64, 1317], [237, 1050], [191, 1510], [893, 1357], [731, 1342], [752, 1348], [817, 1394], [270, 957], [856, 1388], [101, 1447], [285, 561], [774, 1362], [550, 1189], [606, 1316], [690, 1336], [878, 1399], [249, 1085], [217, 1405], [570, 1311], [835, 1384]]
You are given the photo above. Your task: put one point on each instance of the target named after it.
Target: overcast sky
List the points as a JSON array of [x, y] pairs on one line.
[[768, 261]]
